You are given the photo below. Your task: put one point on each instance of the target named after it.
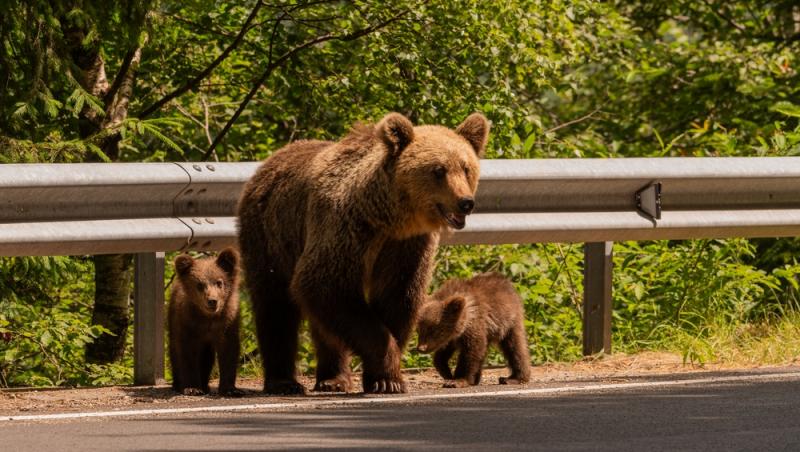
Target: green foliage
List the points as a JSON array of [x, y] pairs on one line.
[[44, 324], [557, 79]]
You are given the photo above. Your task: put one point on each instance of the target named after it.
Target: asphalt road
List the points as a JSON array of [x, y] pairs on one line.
[[758, 415]]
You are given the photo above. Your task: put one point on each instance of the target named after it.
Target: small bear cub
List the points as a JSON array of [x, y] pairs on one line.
[[467, 316], [203, 320]]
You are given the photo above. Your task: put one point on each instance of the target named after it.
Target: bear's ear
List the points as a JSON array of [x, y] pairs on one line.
[[396, 131], [228, 261], [454, 309], [183, 264], [475, 129]]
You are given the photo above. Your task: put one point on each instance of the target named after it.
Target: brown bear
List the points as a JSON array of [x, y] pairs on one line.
[[466, 316], [203, 320], [343, 233]]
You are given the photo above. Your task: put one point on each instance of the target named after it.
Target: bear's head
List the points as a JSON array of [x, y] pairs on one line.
[[209, 283], [441, 321], [436, 169]]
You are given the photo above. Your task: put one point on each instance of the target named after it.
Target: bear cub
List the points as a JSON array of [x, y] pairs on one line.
[[467, 316], [203, 320]]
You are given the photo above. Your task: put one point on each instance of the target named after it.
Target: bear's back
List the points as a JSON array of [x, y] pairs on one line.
[[499, 305]]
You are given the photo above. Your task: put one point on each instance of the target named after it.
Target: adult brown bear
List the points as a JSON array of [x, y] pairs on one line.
[[344, 233]]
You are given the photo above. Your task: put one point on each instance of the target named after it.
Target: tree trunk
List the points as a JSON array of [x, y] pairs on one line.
[[112, 272], [112, 277]]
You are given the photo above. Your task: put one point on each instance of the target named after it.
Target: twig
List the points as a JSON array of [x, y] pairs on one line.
[[273, 65], [199, 77], [719, 14], [574, 121]]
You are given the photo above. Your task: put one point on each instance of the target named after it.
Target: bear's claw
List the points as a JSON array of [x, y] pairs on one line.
[[339, 384], [386, 386], [284, 387], [460, 383], [193, 392], [232, 392], [511, 381]]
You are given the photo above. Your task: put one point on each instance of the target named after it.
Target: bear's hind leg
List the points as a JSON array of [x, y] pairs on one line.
[[333, 363], [515, 350], [206, 365], [277, 326], [228, 349]]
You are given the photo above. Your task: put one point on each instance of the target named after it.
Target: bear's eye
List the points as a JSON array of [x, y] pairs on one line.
[[219, 283], [439, 172], [201, 286]]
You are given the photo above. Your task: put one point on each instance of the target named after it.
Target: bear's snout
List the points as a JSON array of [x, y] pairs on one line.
[[212, 304], [466, 204], [422, 348]]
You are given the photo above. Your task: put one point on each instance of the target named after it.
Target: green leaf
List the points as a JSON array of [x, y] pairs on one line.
[[786, 108]]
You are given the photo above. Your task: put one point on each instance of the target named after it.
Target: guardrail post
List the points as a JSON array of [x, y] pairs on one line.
[[597, 267], [148, 326]]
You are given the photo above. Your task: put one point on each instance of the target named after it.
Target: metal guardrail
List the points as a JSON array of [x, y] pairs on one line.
[[149, 208]]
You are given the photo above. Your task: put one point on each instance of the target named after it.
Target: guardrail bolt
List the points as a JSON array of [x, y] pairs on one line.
[[211, 167], [197, 167], [209, 221], [197, 221]]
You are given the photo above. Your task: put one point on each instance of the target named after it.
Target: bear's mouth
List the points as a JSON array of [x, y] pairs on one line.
[[456, 220]]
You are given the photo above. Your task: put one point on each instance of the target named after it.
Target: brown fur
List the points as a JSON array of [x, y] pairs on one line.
[[203, 321], [466, 316], [343, 234]]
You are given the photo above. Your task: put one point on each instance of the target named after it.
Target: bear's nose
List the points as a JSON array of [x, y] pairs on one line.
[[212, 304], [466, 205]]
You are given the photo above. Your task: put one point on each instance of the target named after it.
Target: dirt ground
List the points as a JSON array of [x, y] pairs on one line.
[[613, 368]]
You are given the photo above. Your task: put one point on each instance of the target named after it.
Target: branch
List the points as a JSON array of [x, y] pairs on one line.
[[123, 70], [719, 14], [273, 65], [574, 121], [197, 79]]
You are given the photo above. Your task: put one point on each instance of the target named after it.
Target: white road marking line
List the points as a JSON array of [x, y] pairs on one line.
[[306, 403]]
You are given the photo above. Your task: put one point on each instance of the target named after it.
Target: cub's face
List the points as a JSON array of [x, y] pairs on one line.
[[440, 322], [436, 169], [208, 282]]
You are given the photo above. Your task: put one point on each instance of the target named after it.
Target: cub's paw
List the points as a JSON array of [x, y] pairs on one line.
[[231, 392], [384, 385], [460, 383], [512, 381], [193, 392], [338, 384], [283, 387]]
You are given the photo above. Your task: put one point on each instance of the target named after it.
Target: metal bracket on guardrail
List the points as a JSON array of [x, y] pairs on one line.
[[648, 201]]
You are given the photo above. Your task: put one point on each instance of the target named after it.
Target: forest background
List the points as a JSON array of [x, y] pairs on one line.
[[159, 80]]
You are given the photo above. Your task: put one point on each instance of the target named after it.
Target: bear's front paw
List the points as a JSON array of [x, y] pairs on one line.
[[284, 387], [193, 392], [338, 384], [386, 385], [460, 383], [231, 392], [512, 381]]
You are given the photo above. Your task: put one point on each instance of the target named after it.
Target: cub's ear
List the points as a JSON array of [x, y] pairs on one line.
[[475, 129], [183, 264], [396, 131], [454, 309], [228, 261]]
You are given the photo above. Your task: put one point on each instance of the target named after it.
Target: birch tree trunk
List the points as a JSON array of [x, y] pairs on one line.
[[112, 298]]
